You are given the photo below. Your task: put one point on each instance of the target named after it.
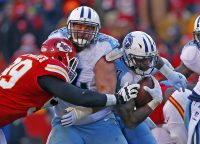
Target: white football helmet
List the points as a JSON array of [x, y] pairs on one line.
[[196, 31], [140, 52], [83, 16]]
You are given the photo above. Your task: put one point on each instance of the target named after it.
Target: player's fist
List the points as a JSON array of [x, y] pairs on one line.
[[127, 92]]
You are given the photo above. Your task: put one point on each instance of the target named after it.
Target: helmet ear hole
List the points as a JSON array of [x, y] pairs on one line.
[[59, 58]]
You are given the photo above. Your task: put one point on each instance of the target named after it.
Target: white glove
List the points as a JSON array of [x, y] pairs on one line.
[[74, 114], [129, 91], [176, 79], [156, 92]]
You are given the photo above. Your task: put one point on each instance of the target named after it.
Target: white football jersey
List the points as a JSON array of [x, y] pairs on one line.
[[87, 61], [173, 112], [85, 75], [175, 104], [190, 56]]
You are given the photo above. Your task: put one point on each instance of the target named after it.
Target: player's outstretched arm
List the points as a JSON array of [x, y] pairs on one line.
[[82, 97], [176, 79]]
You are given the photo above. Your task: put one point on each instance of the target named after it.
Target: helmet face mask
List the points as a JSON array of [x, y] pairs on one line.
[[196, 31], [140, 53], [63, 50], [82, 33], [83, 26]]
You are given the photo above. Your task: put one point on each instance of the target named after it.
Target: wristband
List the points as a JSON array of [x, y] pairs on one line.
[[153, 104], [111, 100]]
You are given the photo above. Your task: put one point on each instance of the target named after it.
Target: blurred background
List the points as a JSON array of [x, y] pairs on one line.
[[25, 24]]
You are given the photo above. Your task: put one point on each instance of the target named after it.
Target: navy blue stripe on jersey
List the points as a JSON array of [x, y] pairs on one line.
[[197, 134], [194, 96], [152, 48], [146, 46], [89, 13], [82, 12]]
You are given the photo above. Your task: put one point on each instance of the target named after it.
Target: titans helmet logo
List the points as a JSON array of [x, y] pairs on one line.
[[128, 42]]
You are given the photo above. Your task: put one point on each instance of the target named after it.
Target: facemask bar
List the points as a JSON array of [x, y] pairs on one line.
[[73, 63], [196, 35], [139, 69]]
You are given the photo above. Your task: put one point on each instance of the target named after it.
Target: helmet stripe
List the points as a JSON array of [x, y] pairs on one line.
[[89, 13], [152, 48], [146, 47], [82, 12], [198, 22]]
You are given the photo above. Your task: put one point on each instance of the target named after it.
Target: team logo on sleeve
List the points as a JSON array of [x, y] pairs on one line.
[[128, 42], [62, 46]]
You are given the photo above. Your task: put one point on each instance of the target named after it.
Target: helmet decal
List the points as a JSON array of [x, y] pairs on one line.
[[128, 42], [63, 47]]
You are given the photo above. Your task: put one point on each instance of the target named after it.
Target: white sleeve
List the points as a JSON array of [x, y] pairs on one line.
[[55, 35], [190, 56], [197, 87], [155, 71]]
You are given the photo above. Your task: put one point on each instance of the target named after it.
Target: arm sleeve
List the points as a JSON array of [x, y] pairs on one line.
[[72, 94], [167, 63]]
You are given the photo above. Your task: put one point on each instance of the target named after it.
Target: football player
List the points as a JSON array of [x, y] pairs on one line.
[[190, 64], [83, 30], [31, 80], [190, 57], [94, 73], [140, 59], [173, 129]]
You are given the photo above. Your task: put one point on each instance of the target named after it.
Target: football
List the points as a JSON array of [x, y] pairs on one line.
[[144, 97]]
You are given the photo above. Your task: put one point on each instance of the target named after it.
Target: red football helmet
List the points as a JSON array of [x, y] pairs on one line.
[[63, 50]]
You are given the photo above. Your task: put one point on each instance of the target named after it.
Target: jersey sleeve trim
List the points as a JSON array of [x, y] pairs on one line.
[[58, 69]]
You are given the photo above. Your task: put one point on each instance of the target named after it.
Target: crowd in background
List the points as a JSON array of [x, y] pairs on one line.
[[25, 24]]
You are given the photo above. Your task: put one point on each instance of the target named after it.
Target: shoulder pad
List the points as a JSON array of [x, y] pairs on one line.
[[103, 37], [62, 32], [189, 51]]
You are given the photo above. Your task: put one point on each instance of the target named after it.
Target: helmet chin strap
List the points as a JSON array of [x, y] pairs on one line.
[[142, 73]]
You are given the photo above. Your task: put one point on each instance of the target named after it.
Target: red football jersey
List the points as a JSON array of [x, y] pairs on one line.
[[20, 93]]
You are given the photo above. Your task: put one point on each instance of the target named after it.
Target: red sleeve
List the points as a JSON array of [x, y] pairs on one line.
[[51, 67]]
